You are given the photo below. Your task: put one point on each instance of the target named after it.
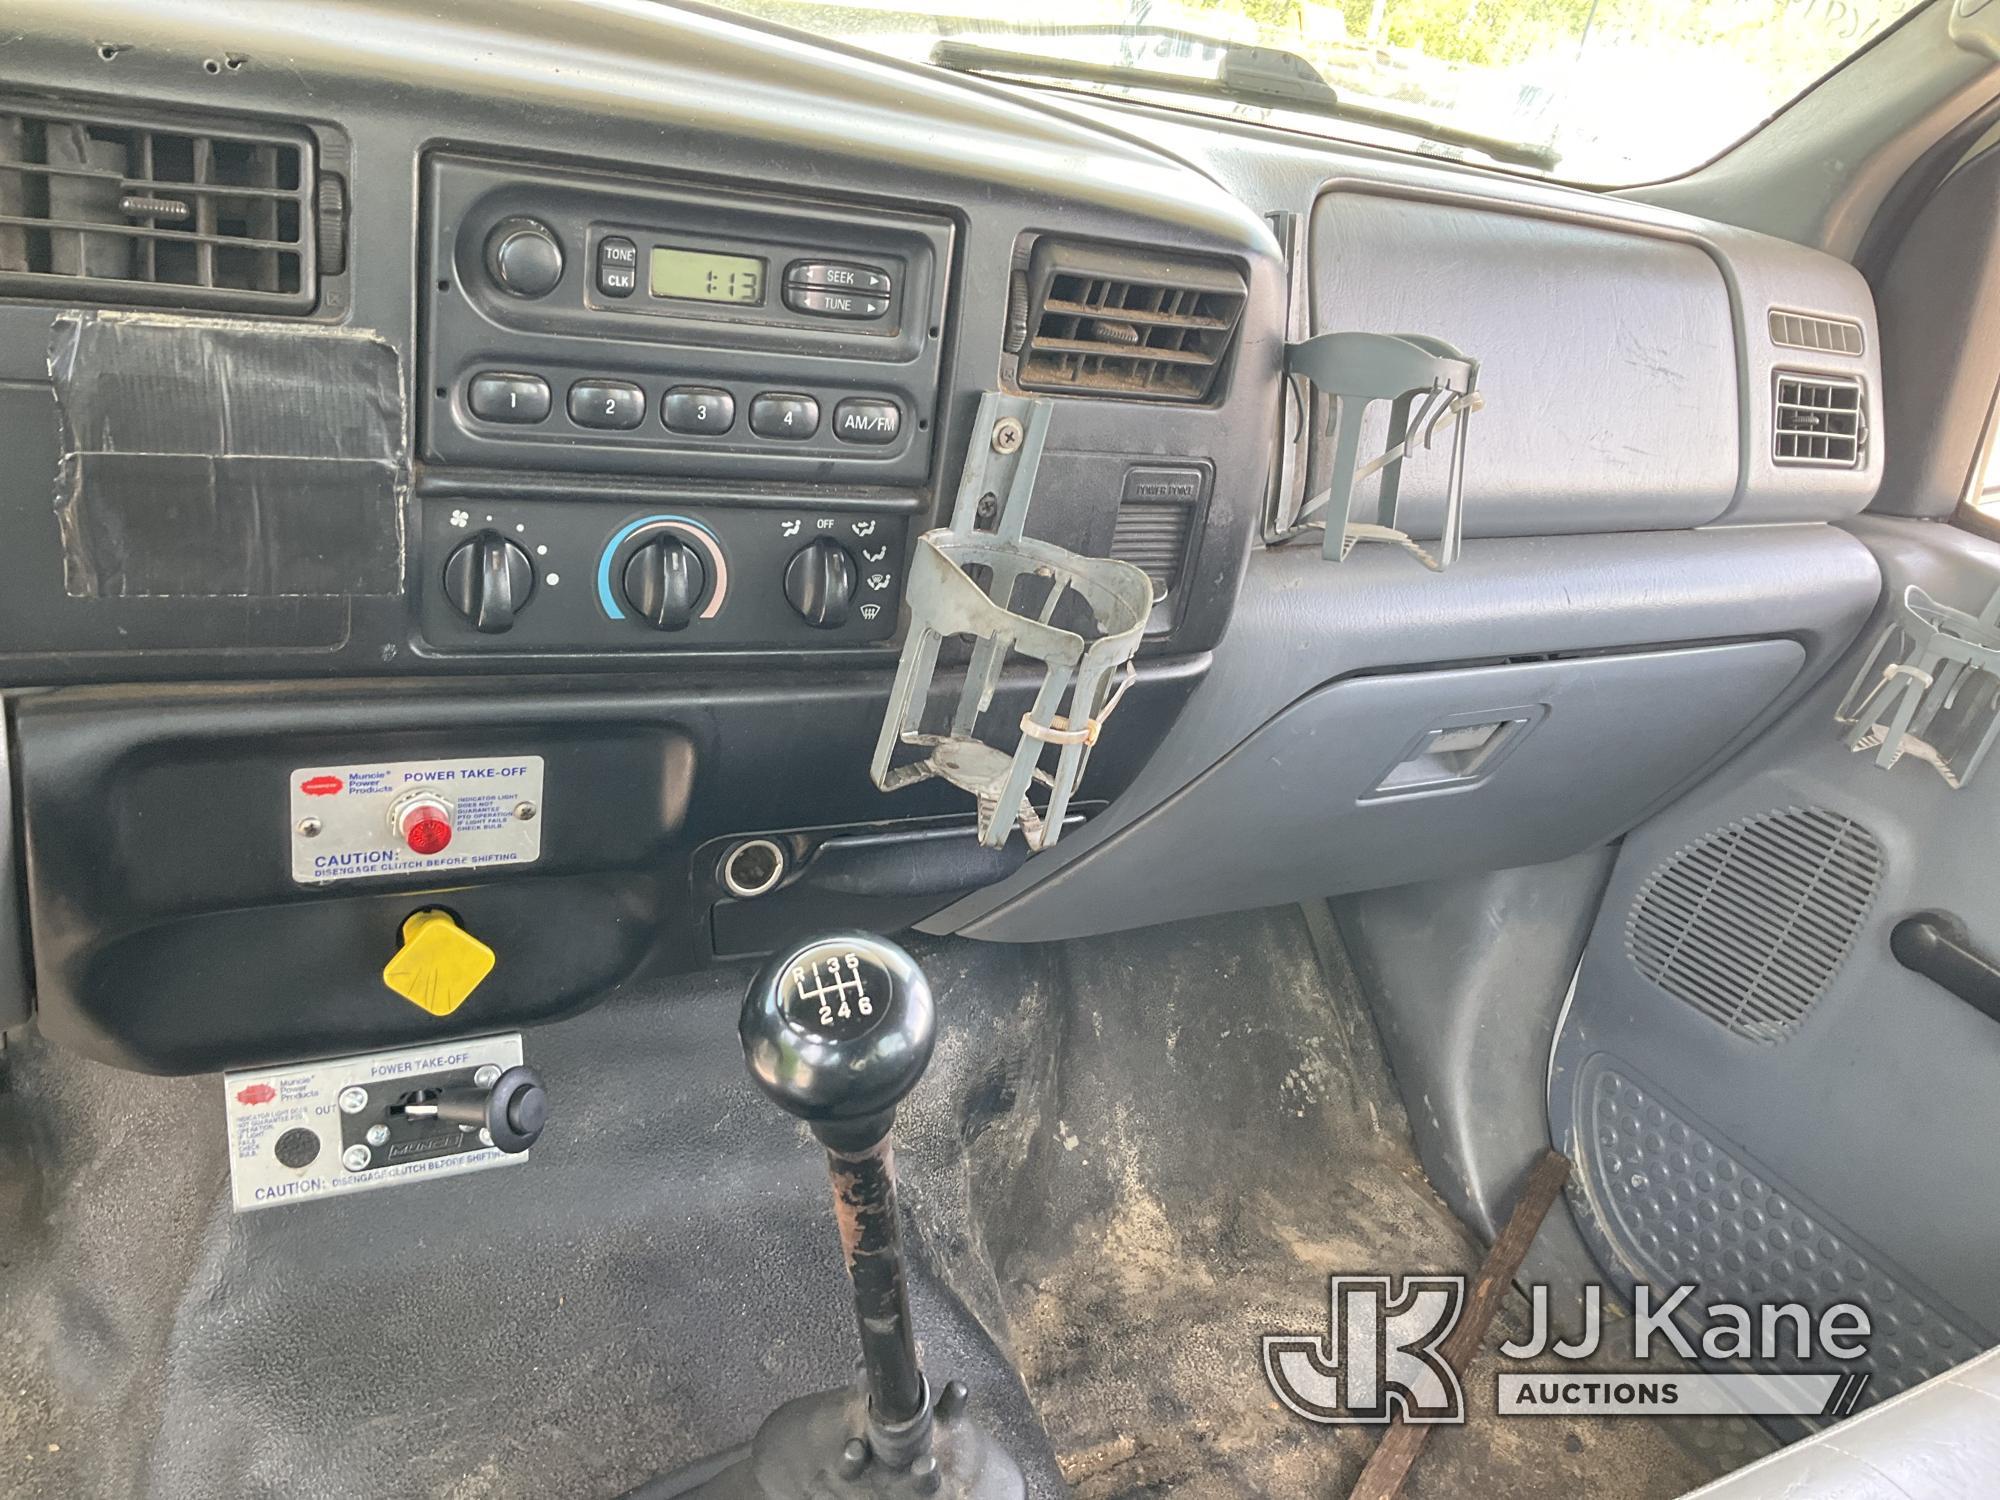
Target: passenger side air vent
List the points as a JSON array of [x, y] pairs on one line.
[[1794, 330], [1818, 421], [1749, 924], [1110, 322], [101, 207]]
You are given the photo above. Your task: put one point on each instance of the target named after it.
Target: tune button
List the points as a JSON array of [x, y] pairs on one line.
[[828, 304], [606, 403], [698, 408], [778, 415]]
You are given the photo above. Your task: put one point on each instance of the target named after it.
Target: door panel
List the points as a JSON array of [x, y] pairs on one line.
[[1760, 1096]]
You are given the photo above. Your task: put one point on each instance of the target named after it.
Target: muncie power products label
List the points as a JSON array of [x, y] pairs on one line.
[[316, 1129], [411, 817]]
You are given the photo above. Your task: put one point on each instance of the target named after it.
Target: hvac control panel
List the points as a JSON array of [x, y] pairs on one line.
[[579, 574], [578, 323]]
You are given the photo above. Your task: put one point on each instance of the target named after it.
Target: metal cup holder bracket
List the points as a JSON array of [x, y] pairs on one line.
[[1355, 370], [968, 581]]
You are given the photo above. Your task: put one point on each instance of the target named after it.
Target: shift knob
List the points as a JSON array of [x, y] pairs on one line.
[[837, 1030]]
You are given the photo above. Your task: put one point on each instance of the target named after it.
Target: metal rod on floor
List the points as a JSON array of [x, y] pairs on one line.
[[1389, 1465]]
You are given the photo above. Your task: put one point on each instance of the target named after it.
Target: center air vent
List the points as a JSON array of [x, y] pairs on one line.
[[1818, 421], [113, 208], [1796, 330], [1097, 321]]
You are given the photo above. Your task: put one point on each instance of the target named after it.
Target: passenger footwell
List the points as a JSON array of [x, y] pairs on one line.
[[1203, 1129]]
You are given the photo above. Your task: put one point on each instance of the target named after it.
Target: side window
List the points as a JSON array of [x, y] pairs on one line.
[[1982, 493], [1985, 496]]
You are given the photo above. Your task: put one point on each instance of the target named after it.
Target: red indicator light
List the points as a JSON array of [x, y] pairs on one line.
[[427, 835], [426, 825]]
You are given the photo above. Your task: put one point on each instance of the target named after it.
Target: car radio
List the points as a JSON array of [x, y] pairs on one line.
[[579, 323], [644, 331]]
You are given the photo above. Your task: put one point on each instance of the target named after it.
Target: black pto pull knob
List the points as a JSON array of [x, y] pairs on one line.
[[819, 581], [524, 257], [837, 1031], [664, 581], [488, 580], [511, 1113]]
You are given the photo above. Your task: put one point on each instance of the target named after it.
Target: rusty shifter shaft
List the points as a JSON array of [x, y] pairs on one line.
[[836, 1031]]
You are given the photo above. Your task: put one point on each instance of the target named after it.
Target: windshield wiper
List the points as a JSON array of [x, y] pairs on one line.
[[1268, 76]]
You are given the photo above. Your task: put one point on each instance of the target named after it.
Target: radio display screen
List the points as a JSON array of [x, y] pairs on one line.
[[706, 275]]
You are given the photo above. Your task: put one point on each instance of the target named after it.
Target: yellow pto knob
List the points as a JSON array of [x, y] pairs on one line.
[[439, 964]]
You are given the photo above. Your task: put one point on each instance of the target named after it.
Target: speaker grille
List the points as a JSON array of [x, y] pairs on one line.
[[1749, 924]]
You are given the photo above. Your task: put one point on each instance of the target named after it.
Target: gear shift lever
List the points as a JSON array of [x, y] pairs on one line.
[[837, 1030], [837, 1033]]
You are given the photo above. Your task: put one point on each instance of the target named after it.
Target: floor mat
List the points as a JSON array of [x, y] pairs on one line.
[[1202, 1130], [1131, 1158], [659, 1274]]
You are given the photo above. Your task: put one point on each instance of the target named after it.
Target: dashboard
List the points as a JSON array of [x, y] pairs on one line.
[[429, 401]]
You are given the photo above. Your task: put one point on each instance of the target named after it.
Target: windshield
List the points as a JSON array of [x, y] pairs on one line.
[[1600, 91]]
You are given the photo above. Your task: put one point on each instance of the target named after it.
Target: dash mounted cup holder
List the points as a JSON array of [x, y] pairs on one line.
[[1080, 617]]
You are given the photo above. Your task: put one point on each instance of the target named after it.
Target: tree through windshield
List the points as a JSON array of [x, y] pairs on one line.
[[1599, 91]]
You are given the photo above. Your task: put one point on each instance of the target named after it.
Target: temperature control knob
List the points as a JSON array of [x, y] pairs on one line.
[[524, 257], [488, 580], [820, 583], [664, 581]]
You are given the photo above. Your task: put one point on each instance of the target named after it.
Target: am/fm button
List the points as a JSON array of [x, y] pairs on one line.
[[865, 420]]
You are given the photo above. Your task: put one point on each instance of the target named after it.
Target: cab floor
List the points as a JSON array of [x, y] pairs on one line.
[[1132, 1157]]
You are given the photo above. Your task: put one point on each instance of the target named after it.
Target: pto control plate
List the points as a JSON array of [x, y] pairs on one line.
[[412, 817], [317, 1129]]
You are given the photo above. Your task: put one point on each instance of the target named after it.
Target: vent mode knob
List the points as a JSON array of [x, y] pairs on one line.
[[523, 256], [819, 582]]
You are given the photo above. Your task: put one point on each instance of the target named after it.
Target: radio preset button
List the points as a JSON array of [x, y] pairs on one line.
[[863, 419], [837, 276], [699, 409], [607, 403], [499, 397], [776, 415], [829, 304]]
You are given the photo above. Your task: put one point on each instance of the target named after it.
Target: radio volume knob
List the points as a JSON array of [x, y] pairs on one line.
[[819, 581], [524, 257], [664, 581]]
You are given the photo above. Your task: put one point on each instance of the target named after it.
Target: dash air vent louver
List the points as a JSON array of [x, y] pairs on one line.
[[1818, 421], [1101, 321], [1749, 924], [104, 207], [1795, 330]]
